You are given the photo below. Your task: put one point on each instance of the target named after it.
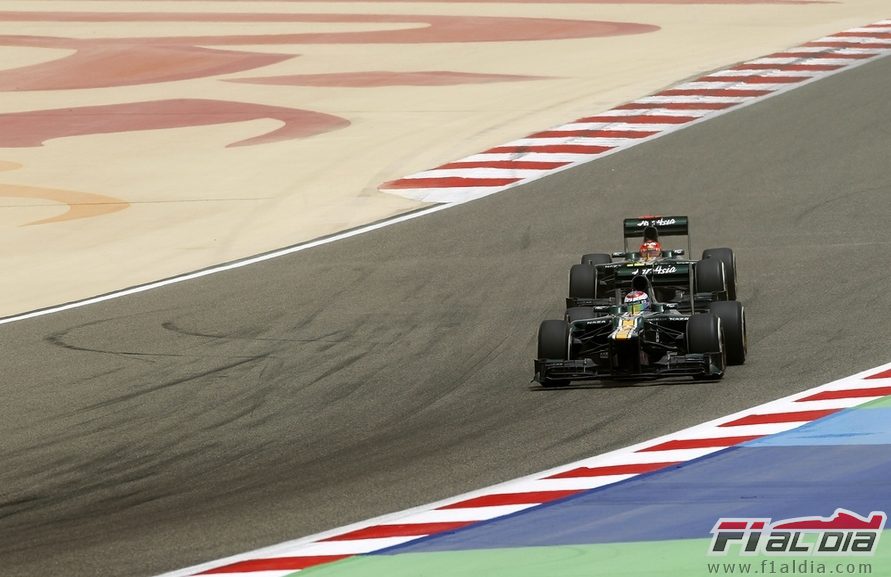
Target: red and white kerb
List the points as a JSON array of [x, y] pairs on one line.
[[592, 137]]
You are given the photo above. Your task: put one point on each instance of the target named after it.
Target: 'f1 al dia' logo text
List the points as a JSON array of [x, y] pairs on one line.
[[844, 533]]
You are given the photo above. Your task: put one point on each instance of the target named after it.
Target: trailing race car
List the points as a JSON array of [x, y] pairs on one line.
[[646, 316], [596, 275]]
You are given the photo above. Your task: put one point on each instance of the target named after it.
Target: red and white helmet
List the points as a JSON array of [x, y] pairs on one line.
[[650, 250], [637, 302]]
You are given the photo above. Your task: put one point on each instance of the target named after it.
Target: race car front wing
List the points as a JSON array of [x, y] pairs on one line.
[[586, 369]]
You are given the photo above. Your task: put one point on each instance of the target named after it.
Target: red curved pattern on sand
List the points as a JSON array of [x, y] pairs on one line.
[[429, 28], [22, 129], [106, 62], [373, 79], [123, 65]]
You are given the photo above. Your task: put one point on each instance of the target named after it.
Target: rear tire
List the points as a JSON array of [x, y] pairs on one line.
[[553, 343], [704, 335], [597, 258], [710, 277], [582, 281], [726, 256], [733, 321]]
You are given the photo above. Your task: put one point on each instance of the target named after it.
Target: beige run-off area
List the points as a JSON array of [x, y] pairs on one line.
[[141, 140]]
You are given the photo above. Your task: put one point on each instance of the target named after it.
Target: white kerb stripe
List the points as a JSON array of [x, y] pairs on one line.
[[731, 86], [624, 126], [693, 99], [467, 514], [766, 73], [854, 40], [620, 112], [348, 547]]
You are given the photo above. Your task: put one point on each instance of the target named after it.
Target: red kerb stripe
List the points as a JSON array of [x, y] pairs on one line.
[[533, 497], [510, 164], [446, 182], [404, 530], [552, 148], [632, 469], [882, 35], [592, 134], [274, 564], [640, 119], [700, 443], [883, 375], [848, 394], [791, 417]]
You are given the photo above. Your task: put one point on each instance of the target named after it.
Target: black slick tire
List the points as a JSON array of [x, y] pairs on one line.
[[704, 335], [582, 281], [553, 344], [733, 321], [726, 256], [710, 277]]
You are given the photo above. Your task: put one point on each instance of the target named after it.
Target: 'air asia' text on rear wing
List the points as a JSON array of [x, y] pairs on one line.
[[655, 227]]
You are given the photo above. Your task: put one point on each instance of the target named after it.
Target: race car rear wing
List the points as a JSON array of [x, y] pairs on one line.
[[655, 227]]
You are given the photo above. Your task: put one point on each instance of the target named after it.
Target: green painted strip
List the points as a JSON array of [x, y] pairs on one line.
[[882, 403], [680, 558]]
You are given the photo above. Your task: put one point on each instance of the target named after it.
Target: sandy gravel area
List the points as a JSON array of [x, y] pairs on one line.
[[141, 140]]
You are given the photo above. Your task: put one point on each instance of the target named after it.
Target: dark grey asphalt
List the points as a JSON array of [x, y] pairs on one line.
[[392, 369]]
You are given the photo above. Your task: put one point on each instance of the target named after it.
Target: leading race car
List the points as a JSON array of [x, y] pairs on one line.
[[593, 277], [645, 318]]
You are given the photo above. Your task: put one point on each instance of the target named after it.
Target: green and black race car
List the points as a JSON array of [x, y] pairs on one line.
[[595, 275], [690, 326]]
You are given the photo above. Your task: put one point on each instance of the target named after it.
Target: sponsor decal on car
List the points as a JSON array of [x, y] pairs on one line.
[[657, 222], [658, 269]]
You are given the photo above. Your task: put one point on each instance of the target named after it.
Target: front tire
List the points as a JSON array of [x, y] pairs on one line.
[[704, 336], [553, 344], [733, 320]]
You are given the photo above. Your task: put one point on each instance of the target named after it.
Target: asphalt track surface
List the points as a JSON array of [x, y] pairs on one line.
[[391, 369]]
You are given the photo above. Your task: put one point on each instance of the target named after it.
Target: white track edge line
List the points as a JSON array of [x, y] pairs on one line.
[[226, 266]]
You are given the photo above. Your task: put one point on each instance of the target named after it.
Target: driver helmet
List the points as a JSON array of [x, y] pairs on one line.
[[650, 250], [637, 302]]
